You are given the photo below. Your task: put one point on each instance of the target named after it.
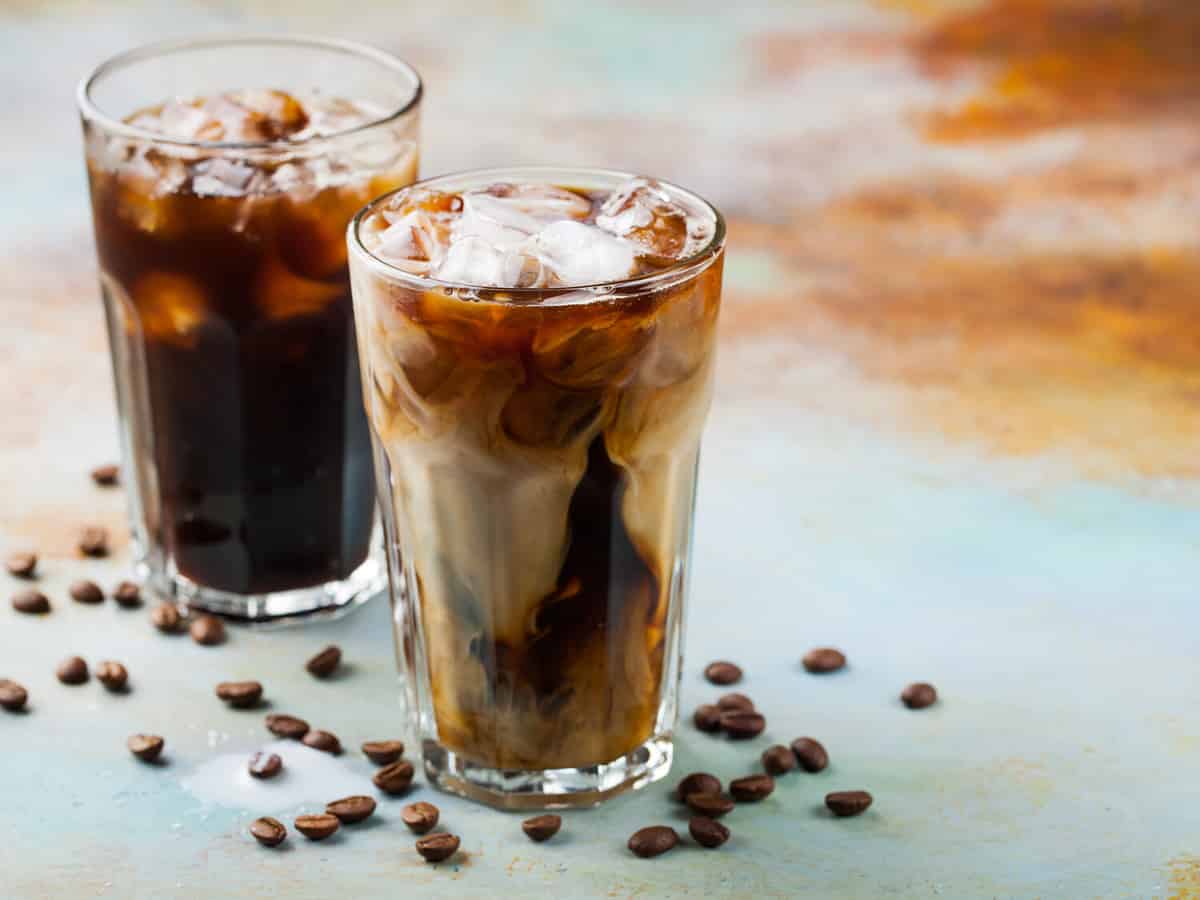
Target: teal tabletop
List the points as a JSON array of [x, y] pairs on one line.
[[955, 435]]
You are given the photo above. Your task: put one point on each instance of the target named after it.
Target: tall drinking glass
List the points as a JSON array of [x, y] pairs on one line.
[[223, 173], [536, 449]]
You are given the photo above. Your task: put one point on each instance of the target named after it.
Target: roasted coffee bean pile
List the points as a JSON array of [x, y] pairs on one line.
[[733, 714]]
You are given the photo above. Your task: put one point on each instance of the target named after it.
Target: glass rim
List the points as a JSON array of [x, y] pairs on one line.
[[678, 271], [92, 112]]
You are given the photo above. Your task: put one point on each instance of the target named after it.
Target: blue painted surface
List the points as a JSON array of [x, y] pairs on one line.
[[1053, 607]]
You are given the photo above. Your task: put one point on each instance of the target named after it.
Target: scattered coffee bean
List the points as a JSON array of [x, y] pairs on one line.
[[437, 847], [146, 747], [541, 828], [86, 592], [707, 832], [824, 659], [848, 803], [420, 817], [166, 618], [286, 726], [742, 725], [698, 783], [395, 778], [93, 541], [207, 630], [653, 841], [778, 760], [919, 695], [735, 702], [324, 663], [12, 695], [752, 788], [317, 827], [112, 675], [712, 805], [240, 694], [268, 832], [707, 718], [128, 595], [106, 475], [21, 565], [810, 754], [265, 765], [383, 752], [351, 809], [72, 670], [722, 672], [31, 602], [325, 741]]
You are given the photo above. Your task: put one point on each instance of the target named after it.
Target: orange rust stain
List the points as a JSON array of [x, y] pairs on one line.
[[1184, 876], [1091, 352], [1064, 62]]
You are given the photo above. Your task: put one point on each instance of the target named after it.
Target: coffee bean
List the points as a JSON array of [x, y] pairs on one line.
[[707, 832], [112, 675], [810, 754], [207, 630], [31, 602], [742, 725], [541, 828], [752, 788], [240, 694], [324, 663], [12, 695], [286, 726], [707, 718], [325, 741], [265, 765], [351, 809], [394, 779], [86, 592], [317, 827], [735, 702], [145, 747], [778, 760], [72, 670], [383, 752], [420, 817], [106, 475], [712, 805], [128, 595], [21, 564], [437, 847], [919, 695], [698, 783], [722, 672], [166, 618], [823, 659], [93, 541], [848, 803], [268, 832], [653, 841]]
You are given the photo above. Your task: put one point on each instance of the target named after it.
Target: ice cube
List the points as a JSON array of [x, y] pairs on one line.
[[574, 253], [221, 177], [281, 294], [269, 115], [472, 260], [642, 212], [170, 307]]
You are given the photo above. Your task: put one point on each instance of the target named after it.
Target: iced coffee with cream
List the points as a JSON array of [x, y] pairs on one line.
[[537, 350]]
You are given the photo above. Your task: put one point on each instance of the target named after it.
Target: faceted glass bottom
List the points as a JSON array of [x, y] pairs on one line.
[[322, 601], [548, 788]]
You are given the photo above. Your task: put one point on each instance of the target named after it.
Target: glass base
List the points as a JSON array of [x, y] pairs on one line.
[[322, 601], [547, 788]]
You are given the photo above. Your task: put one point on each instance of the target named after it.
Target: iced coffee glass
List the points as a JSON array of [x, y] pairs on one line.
[[537, 350], [223, 174]]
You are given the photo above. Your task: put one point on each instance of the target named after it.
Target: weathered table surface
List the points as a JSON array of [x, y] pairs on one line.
[[955, 434]]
